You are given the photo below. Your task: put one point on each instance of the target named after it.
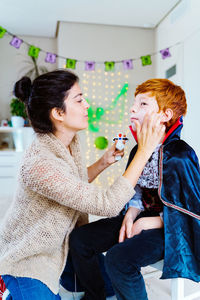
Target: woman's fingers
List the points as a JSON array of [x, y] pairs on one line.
[[152, 130]]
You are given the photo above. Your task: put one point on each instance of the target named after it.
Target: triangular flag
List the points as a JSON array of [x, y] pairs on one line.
[[2, 31], [50, 58], [128, 64], [146, 60], [33, 51], [109, 66], [165, 53], [70, 63], [16, 42], [89, 66]]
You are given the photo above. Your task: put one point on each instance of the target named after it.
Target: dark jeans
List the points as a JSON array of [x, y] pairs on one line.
[[123, 261], [72, 283]]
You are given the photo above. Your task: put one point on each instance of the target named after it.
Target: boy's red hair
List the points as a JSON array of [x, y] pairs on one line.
[[167, 94]]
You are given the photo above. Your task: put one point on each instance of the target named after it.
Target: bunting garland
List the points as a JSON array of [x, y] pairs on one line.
[[89, 65]]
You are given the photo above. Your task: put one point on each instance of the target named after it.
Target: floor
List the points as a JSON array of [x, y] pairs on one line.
[[156, 289]]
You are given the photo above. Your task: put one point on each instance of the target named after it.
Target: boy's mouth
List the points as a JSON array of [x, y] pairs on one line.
[[132, 119]]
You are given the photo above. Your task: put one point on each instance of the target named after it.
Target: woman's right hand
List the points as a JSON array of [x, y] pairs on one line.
[[151, 133]]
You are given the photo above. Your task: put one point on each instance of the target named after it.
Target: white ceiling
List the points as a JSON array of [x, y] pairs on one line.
[[40, 17]]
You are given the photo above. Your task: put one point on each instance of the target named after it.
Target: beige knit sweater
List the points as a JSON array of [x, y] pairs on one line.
[[52, 194]]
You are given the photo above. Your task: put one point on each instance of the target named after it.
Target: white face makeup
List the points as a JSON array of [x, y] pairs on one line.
[[142, 104]]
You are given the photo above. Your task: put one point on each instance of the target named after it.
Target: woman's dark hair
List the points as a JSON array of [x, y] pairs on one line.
[[46, 92]]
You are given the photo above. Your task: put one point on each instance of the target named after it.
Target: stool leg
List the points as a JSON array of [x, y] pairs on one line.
[[177, 289]]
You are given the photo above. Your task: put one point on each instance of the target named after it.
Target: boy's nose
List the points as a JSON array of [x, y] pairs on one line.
[[133, 109]]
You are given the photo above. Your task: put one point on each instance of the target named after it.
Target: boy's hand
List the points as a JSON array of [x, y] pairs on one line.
[[145, 224], [126, 228]]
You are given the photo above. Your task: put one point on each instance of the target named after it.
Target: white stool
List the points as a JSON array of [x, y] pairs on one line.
[[177, 284]]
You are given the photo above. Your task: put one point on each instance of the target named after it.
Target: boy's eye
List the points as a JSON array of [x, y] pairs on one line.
[[144, 103], [80, 100]]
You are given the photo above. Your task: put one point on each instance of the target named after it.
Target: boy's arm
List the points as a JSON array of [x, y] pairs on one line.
[[136, 200], [145, 224]]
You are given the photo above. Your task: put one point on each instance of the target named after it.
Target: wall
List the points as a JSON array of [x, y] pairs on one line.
[[182, 26], [103, 43], [88, 42], [14, 63]]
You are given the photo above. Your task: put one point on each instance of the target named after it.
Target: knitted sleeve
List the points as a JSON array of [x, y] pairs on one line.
[[48, 179]]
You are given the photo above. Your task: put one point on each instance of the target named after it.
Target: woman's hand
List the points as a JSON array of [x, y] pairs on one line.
[[108, 157], [149, 136], [105, 161], [151, 133]]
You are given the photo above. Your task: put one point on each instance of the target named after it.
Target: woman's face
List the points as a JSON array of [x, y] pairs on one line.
[[142, 104], [76, 114]]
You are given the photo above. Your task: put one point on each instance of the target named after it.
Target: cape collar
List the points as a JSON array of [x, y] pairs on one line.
[[175, 129]]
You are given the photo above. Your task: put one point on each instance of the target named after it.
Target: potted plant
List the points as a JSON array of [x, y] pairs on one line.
[[18, 112]]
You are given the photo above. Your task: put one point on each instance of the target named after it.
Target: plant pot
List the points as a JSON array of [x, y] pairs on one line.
[[17, 121]]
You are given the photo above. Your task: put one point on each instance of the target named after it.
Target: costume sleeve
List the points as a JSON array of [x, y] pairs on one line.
[[136, 200], [53, 181]]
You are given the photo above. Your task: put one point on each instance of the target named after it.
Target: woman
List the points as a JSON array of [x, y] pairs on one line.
[[54, 193]]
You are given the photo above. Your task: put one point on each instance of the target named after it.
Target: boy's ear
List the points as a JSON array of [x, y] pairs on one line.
[[167, 115], [56, 114]]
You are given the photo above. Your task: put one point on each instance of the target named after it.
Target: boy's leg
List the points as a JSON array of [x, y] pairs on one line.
[[124, 261], [86, 243]]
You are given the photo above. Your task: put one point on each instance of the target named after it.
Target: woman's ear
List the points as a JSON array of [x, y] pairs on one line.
[[57, 114], [167, 115]]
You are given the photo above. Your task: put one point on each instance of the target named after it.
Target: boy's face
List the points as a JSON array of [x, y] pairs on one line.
[[142, 104]]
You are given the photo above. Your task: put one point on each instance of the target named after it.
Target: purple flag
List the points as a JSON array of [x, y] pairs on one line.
[[89, 66], [50, 58], [165, 53], [128, 64], [16, 42]]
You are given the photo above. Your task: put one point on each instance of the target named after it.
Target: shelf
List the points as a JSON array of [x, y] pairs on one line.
[[20, 137], [12, 129]]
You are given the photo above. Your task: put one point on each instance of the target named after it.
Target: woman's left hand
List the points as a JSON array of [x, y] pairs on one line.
[[109, 156]]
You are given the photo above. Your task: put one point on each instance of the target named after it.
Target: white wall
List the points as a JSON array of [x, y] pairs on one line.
[[182, 26], [103, 43], [14, 63]]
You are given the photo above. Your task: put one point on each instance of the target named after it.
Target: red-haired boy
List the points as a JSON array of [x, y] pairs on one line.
[[162, 220]]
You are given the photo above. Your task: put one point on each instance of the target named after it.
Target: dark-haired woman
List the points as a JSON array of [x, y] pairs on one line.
[[54, 193]]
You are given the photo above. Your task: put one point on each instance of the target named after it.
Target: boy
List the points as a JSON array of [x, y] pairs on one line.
[[161, 221]]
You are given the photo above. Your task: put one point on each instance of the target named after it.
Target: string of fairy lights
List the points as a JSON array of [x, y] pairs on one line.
[[112, 83]]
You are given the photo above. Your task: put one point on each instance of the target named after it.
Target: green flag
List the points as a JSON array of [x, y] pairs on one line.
[[146, 60], [33, 51], [70, 63], [109, 66]]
